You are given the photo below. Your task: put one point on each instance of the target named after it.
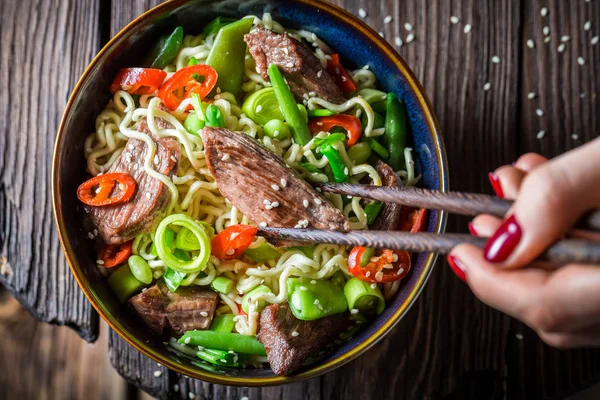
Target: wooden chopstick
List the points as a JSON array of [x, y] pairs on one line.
[[455, 202], [564, 251]]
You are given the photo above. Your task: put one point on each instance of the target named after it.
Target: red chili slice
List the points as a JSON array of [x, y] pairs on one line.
[[115, 254], [348, 122], [107, 189], [233, 241], [185, 82], [138, 80], [342, 78], [413, 220], [381, 268]]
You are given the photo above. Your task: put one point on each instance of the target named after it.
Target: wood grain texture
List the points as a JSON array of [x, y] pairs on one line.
[[44, 49]]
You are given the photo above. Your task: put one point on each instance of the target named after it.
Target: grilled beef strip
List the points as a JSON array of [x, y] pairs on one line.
[[290, 342], [390, 216], [249, 176], [190, 307], [122, 222], [298, 63]]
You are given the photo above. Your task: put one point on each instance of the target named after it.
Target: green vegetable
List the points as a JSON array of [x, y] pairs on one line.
[[140, 269], [303, 112], [277, 129], [199, 106], [166, 253], [261, 304], [360, 152], [396, 127], [192, 61], [223, 323], [363, 297], [331, 139], [193, 124], [169, 239], [216, 24], [214, 117], [186, 240], [376, 98], [338, 168], [262, 106], [264, 252], [228, 53], [224, 341], [172, 278], [338, 279], [321, 113], [311, 168], [289, 107], [181, 255], [365, 257], [314, 299], [309, 251], [219, 357], [123, 283], [222, 284], [378, 148], [165, 50], [378, 120], [372, 210]]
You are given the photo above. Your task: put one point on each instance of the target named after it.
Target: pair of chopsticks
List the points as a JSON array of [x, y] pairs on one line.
[[471, 204]]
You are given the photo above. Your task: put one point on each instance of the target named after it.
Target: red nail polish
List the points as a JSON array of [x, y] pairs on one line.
[[501, 245], [472, 229], [495, 182], [457, 267]]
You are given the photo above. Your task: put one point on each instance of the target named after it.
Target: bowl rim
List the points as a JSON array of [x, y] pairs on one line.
[[319, 369]]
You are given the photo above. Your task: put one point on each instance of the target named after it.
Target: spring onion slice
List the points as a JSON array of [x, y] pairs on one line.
[[166, 254]]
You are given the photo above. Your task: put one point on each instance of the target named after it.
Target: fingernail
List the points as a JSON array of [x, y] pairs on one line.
[[495, 182], [472, 229], [501, 245], [457, 267]]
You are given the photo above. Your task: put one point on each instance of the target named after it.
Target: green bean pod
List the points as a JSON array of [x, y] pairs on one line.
[[224, 341], [396, 127]]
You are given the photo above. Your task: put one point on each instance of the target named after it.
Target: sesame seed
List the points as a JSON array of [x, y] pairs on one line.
[[131, 146], [547, 39], [380, 34], [225, 157], [305, 203], [487, 86], [373, 286], [398, 41], [344, 79], [275, 204], [217, 97], [187, 340], [365, 67], [218, 90], [314, 282], [173, 158], [368, 274], [468, 28], [546, 30], [561, 47], [519, 336], [320, 73], [454, 19], [496, 60], [539, 112], [544, 12], [266, 202], [531, 96], [318, 201], [565, 38], [100, 262], [410, 37], [346, 171], [228, 252], [587, 26], [316, 300], [394, 257], [581, 60], [595, 40], [148, 195], [387, 19], [283, 183], [90, 235], [157, 373], [575, 136], [263, 224], [290, 65], [258, 108], [379, 276], [295, 334], [244, 398], [408, 26], [191, 395], [541, 134], [354, 311], [176, 388], [275, 187], [400, 271], [362, 13], [156, 159], [530, 44]]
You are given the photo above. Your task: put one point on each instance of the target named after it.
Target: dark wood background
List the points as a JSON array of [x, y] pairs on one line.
[[449, 346]]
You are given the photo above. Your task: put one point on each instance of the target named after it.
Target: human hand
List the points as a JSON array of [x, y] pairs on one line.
[[562, 304]]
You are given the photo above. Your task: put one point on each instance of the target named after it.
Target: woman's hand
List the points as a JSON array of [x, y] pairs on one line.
[[562, 304]]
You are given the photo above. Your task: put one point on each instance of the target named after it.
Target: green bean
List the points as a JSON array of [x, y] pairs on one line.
[[140, 269], [123, 283], [223, 323], [378, 149], [363, 297], [338, 168], [224, 341], [277, 129], [261, 304], [396, 126], [314, 299], [222, 284], [360, 152], [165, 51]]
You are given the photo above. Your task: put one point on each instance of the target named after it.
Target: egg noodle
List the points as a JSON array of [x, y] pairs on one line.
[[194, 192]]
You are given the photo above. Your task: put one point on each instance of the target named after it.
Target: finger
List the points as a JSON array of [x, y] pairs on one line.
[[506, 181], [484, 225], [528, 162], [551, 199], [589, 337], [513, 292]]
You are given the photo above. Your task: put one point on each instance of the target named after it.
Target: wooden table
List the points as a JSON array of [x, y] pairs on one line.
[[449, 345]]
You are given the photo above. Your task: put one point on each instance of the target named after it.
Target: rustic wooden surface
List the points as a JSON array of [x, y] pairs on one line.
[[449, 345]]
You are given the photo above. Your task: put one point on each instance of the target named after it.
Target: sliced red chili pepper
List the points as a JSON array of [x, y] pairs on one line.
[[185, 82], [413, 220], [233, 241], [348, 122], [342, 78], [138, 80], [107, 189], [381, 268], [115, 254]]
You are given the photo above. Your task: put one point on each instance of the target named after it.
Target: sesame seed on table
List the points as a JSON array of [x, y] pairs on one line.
[[539, 61]]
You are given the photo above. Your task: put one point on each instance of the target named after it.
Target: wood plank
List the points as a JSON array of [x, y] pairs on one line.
[[40, 361], [44, 49]]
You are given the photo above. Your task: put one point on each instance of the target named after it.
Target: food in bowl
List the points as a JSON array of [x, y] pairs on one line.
[[211, 136]]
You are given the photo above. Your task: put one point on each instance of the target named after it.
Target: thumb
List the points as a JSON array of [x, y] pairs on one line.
[[551, 199]]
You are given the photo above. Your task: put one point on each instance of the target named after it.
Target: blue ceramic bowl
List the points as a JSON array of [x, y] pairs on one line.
[[347, 35]]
